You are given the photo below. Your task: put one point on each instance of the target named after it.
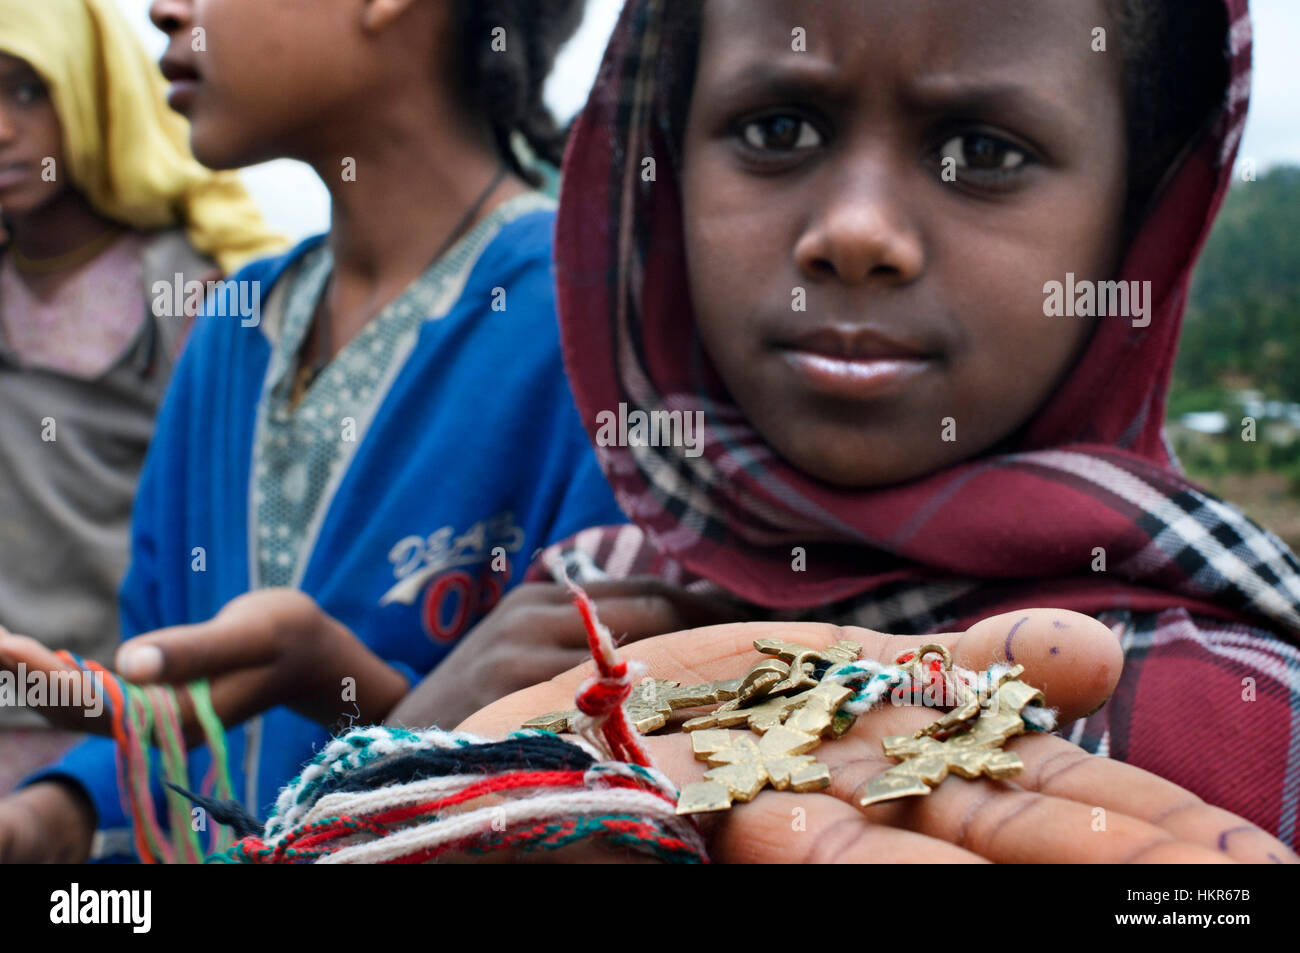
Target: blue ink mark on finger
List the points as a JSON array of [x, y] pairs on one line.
[[1006, 646], [1055, 650], [1223, 837]]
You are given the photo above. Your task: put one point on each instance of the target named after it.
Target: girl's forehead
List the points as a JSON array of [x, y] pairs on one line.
[[1045, 38], [11, 67]]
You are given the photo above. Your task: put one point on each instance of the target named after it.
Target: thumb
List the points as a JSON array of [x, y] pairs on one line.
[[642, 607], [242, 635]]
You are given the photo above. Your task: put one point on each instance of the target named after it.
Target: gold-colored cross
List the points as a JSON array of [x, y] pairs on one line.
[[975, 751], [741, 767], [762, 700], [774, 711], [650, 704]]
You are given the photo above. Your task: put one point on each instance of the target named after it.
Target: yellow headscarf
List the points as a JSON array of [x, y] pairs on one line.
[[125, 149]]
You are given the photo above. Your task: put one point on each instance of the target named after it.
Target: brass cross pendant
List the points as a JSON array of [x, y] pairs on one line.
[[783, 700], [650, 704], [973, 751], [740, 768]]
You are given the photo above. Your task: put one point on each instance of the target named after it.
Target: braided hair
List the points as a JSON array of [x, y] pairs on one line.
[[507, 50]]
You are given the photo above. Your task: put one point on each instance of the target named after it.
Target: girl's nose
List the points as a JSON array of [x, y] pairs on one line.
[[861, 233], [171, 15]]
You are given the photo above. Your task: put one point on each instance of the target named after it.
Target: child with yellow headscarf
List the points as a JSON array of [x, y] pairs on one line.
[[101, 200]]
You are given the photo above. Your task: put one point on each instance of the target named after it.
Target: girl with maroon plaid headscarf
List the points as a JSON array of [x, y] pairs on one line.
[[827, 265]]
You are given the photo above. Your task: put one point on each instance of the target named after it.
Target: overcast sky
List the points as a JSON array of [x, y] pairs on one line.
[[296, 203]]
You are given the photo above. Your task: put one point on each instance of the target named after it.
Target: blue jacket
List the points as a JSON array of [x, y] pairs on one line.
[[477, 445]]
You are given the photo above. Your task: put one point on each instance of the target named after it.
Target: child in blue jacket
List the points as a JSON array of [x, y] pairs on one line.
[[376, 426]]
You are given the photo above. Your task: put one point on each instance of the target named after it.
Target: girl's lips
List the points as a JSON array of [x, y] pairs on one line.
[[856, 378], [182, 94], [14, 174]]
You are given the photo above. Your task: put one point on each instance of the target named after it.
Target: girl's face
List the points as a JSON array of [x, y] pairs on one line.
[[875, 195], [31, 141], [259, 79]]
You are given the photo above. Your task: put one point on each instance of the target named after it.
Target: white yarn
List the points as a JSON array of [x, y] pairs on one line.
[[516, 812], [1039, 717], [344, 754], [366, 803]]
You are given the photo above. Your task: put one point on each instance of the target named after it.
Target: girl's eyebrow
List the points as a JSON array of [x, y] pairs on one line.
[[810, 78], [948, 93], [18, 73], [804, 78]]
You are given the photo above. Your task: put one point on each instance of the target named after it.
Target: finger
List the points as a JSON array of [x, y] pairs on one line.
[[634, 617], [1063, 821], [70, 698], [692, 610], [628, 618], [236, 638], [1000, 820], [539, 665], [1010, 825], [778, 827], [1072, 658], [631, 609], [1055, 767], [697, 609], [1075, 658]]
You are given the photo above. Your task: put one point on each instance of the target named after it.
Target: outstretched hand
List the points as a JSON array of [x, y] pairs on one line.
[[263, 649], [1067, 806]]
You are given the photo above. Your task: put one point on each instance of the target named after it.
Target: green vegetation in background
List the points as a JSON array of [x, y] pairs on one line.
[[1243, 320], [1242, 331]]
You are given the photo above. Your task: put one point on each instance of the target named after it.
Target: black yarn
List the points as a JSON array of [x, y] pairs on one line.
[[542, 753], [231, 813]]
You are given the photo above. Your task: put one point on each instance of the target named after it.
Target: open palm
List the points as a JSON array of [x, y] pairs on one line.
[[1067, 806]]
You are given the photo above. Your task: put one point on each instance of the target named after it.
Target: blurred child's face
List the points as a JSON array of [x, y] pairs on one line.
[[823, 170], [31, 141], [258, 78]]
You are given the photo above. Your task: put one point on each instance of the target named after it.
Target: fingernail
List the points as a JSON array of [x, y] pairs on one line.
[[140, 663]]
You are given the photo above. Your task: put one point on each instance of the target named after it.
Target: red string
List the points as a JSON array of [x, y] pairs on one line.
[[602, 697]]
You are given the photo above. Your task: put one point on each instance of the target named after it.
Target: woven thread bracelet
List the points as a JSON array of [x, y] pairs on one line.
[[390, 795]]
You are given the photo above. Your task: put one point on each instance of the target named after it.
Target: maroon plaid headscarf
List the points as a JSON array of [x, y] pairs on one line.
[[1189, 579]]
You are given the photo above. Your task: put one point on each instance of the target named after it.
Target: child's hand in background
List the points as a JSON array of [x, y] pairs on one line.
[[48, 823], [535, 633], [1066, 807], [266, 648]]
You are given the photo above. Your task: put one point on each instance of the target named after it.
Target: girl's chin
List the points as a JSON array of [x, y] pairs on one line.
[[858, 470], [220, 150], [26, 203]]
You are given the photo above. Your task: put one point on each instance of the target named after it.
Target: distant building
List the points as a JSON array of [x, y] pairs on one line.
[[1205, 421]]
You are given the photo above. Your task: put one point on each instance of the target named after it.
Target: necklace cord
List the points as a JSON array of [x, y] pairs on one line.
[[307, 373]]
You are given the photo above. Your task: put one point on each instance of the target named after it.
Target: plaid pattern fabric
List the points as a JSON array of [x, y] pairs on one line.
[[1203, 598]]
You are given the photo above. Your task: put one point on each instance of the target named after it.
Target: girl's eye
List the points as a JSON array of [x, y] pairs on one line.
[[982, 153], [27, 93], [780, 134]]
